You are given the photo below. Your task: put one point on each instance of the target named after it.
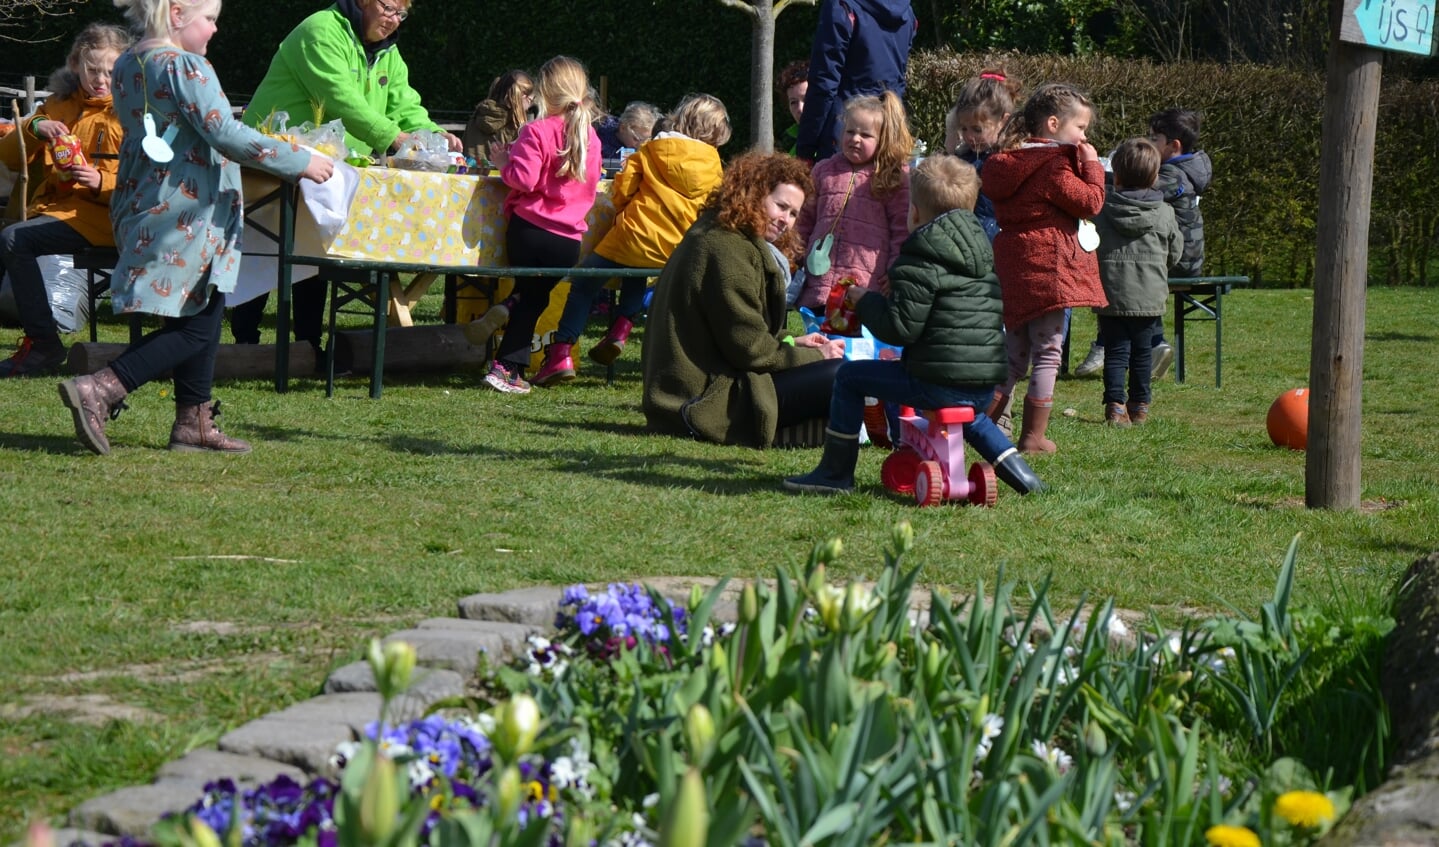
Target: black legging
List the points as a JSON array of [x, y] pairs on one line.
[[803, 392], [186, 347], [527, 245]]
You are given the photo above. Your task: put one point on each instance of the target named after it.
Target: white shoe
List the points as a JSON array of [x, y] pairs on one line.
[[1161, 357], [478, 332], [1093, 364]]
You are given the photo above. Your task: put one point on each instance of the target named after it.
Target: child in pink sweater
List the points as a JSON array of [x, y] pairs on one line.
[[553, 172], [861, 201]]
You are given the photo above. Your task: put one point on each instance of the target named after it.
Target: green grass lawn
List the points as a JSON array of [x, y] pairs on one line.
[[200, 592]]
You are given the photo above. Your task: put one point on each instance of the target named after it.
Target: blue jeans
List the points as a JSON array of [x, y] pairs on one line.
[[584, 290], [1128, 346], [890, 381]]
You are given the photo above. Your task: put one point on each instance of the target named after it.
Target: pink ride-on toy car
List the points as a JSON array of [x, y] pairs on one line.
[[930, 464]]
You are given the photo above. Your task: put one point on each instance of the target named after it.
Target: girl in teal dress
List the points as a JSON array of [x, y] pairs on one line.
[[177, 214]]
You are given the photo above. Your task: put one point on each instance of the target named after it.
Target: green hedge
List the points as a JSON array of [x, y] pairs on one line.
[[1261, 124]]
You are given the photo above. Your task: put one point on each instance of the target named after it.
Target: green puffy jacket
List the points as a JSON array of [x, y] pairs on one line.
[[321, 65], [944, 305]]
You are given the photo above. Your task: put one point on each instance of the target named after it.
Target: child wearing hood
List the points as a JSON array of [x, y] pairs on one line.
[[1139, 241], [1046, 183]]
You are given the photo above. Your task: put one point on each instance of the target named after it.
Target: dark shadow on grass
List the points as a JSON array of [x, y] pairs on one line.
[[59, 445], [1398, 336]]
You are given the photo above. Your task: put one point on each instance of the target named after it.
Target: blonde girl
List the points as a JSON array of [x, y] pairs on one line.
[[657, 195], [858, 216], [178, 213], [553, 173], [508, 106], [70, 209], [972, 126], [1045, 182]]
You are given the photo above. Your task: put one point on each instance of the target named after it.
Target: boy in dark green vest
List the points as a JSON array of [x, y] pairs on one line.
[[943, 306]]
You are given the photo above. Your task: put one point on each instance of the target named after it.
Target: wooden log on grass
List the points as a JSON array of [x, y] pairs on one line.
[[234, 361], [408, 349]]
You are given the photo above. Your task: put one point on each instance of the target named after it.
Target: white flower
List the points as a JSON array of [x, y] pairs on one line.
[[485, 723], [1056, 756], [1117, 628], [1124, 800], [344, 752], [563, 773], [421, 774], [989, 728], [650, 801], [1172, 644]]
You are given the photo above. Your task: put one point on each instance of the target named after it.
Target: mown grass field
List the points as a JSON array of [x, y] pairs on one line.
[[183, 595]]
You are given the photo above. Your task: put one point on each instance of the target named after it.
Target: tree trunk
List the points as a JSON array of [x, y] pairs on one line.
[[761, 79], [1336, 360]]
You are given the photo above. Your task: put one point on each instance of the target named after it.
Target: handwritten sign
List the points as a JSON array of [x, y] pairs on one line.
[[1403, 25]]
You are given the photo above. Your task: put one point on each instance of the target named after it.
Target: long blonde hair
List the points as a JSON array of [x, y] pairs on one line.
[[153, 16], [894, 142], [564, 88]]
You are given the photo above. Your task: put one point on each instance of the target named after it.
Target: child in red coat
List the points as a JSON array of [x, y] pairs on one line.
[[1045, 183]]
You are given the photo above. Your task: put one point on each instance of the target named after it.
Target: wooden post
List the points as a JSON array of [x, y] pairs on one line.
[[1336, 360], [29, 94]]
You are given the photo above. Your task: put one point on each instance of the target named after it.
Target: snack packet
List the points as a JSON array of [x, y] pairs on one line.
[[68, 153], [840, 319]]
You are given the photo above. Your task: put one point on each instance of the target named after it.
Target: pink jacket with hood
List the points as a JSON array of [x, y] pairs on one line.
[[869, 231]]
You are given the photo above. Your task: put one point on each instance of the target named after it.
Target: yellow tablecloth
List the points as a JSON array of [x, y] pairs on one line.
[[437, 219], [417, 217]]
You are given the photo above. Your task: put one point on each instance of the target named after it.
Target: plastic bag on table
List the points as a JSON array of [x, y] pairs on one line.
[[423, 150], [67, 290], [327, 138]]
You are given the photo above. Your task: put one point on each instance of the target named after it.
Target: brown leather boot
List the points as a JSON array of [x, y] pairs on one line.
[[1000, 404], [1031, 429], [94, 401], [195, 431]]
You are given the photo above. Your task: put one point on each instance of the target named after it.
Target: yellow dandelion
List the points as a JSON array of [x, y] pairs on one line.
[[1304, 808], [1224, 835]]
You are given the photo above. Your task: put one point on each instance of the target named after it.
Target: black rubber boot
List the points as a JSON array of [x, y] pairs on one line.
[[835, 474], [1017, 474]]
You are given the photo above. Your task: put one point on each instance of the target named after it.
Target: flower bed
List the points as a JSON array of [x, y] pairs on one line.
[[828, 714]]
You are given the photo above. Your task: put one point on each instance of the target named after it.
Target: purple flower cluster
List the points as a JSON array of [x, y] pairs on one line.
[[279, 812], [456, 749], [619, 618]]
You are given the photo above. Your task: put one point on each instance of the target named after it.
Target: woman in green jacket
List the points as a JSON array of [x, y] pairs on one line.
[[718, 362], [339, 63]]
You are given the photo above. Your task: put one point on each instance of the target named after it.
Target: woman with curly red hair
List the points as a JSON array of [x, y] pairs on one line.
[[718, 362]]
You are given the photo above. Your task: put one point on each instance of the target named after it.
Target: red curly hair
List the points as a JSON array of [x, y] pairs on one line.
[[749, 179]]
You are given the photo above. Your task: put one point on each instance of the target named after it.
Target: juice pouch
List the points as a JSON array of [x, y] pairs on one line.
[[67, 153], [840, 319]]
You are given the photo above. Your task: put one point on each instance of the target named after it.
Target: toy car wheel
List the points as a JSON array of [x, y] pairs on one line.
[[897, 472], [929, 484], [983, 487]]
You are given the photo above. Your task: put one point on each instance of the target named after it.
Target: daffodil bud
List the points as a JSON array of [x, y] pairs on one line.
[[933, 661], [719, 661], [507, 793], [202, 834], [831, 607], [902, 538], [687, 820], [400, 663], [697, 597], [748, 604], [517, 727], [830, 550], [699, 733], [1094, 739], [379, 802], [859, 601], [816, 581]]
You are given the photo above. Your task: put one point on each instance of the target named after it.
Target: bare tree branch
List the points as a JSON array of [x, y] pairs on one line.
[[19, 19]]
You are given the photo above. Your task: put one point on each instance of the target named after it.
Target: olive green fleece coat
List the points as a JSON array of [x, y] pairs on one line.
[[943, 305], [715, 334]]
